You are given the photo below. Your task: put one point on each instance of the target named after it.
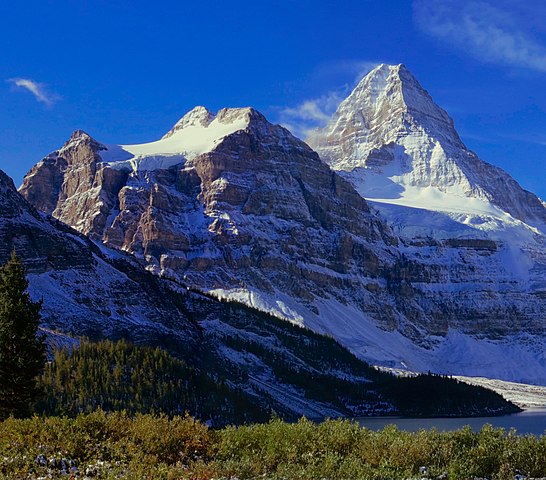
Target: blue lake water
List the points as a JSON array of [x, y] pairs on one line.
[[529, 421]]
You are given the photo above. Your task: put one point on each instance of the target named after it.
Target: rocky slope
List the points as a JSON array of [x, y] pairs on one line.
[[234, 206], [86, 291], [97, 292], [267, 364]]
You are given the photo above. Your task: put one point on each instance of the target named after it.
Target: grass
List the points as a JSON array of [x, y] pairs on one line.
[[118, 445]]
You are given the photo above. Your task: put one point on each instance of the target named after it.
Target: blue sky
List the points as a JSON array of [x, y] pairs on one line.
[[125, 71]]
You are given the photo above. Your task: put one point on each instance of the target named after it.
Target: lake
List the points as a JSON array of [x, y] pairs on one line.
[[532, 421]]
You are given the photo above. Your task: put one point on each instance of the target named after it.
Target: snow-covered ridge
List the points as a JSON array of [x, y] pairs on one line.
[[197, 132], [523, 395]]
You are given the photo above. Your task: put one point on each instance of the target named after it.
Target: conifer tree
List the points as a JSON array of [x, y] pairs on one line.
[[22, 350]]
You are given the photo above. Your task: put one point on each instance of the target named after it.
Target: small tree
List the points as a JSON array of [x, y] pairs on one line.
[[22, 351]]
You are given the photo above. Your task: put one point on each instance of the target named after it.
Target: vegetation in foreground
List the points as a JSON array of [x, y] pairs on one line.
[[116, 445]]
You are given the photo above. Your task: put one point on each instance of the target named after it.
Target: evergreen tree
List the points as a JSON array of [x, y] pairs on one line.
[[22, 351]]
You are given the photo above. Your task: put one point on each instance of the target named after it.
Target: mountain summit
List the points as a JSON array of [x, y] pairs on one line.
[[227, 203], [382, 108], [396, 146]]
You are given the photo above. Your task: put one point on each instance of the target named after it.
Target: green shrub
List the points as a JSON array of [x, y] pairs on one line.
[[159, 447]]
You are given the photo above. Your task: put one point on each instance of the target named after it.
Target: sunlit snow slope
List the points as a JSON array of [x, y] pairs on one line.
[[398, 147], [198, 132]]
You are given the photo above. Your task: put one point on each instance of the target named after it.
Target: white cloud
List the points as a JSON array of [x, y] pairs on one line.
[[348, 69], [310, 114], [489, 33], [37, 89], [302, 119]]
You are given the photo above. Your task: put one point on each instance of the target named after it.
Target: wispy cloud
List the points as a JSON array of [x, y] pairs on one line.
[[39, 90], [350, 70], [487, 31], [310, 114], [533, 138]]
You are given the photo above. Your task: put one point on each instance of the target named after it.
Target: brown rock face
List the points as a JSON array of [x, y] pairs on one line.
[[85, 293], [73, 185], [258, 211]]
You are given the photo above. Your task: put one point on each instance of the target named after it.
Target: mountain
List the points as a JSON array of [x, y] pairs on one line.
[[482, 236], [86, 290], [245, 363], [228, 204], [235, 207], [398, 147]]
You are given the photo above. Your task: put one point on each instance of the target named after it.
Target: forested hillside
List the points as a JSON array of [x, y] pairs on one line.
[[117, 376]]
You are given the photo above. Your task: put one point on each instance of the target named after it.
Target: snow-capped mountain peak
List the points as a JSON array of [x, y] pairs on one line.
[[197, 132], [396, 85], [198, 116], [201, 117], [386, 104], [396, 146]]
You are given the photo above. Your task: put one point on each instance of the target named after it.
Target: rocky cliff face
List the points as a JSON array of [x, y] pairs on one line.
[[237, 207], [86, 292], [70, 185]]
